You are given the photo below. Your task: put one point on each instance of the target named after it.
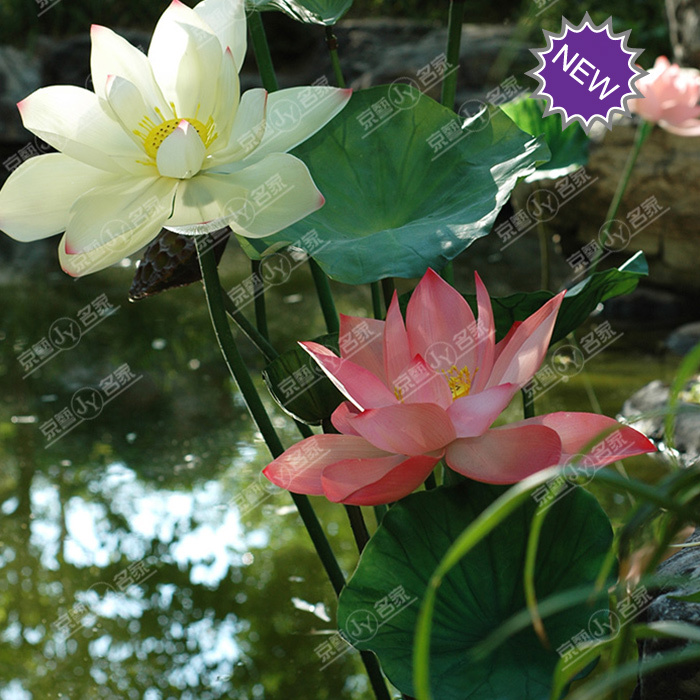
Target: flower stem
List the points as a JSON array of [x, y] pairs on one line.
[[332, 44], [643, 131], [255, 337], [387, 290], [454, 39], [377, 300], [262, 52], [234, 361], [528, 404], [259, 299], [325, 297], [379, 512], [359, 529]]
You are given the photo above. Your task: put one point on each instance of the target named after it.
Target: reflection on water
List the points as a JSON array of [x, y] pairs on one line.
[[142, 556]]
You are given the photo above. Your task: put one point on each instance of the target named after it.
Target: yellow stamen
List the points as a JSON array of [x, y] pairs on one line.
[[398, 392], [152, 135], [459, 381]]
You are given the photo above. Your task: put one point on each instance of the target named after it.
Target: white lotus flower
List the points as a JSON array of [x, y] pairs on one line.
[[165, 140]]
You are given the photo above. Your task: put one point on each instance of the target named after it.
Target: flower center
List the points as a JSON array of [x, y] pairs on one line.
[[152, 135], [459, 381]]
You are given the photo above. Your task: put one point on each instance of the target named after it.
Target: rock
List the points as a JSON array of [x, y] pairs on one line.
[[684, 339], [684, 30], [677, 682], [651, 401], [658, 213]]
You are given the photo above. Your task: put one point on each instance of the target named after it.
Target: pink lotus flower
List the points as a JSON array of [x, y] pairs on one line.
[[670, 98], [430, 389]]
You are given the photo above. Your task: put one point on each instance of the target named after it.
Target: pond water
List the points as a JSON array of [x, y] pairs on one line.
[[141, 554]]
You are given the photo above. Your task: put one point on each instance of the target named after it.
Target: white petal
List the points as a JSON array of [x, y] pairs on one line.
[[112, 222], [281, 193], [113, 55], [186, 58], [247, 131], [227, 19], [72, 121], [295, 114], [207, 198], [36, 199], [129, 107], [182, 153], [228, 98]]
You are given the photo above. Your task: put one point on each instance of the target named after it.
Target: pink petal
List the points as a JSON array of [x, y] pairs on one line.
[[341, 418], [358, 384], [408, 429], [420, 383], [577, 430], [371, 482], [397, 353], [505, 455], [361, 340], [473, 415], [522, 356], [486, 337], [299, 468], [437, 319]]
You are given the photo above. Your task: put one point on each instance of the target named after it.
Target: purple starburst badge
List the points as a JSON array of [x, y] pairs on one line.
[[586, 73]]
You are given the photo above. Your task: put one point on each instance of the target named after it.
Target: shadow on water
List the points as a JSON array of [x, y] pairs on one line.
[[141, 554]]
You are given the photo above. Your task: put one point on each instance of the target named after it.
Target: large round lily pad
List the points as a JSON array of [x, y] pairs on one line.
[[378, 608], [407, 184]]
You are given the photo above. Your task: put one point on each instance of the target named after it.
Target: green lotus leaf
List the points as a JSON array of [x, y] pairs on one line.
[[569, 148], [325, 12], [378, 608], [408, 184]]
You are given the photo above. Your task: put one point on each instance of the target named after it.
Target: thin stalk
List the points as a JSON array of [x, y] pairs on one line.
[[643, 131], [545, 279], [528, 404], [325, 297], [379, 513], [332, 44], [387, 290], [454, 39], [234, 361], [359, 529], [448, 273], [262, 52], [377, 300], [261, 342], [259, 299]]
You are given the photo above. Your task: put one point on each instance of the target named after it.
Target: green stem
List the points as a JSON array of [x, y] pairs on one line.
[[430, 482], [359, 529], [643, 131], [332, 44], [377, 300], [379, 513], [528, 404], [387, 290], [262, 51], [448, 273], [454, 39], [259, 299], [544, 248], [234, 361], [325, 297], [255, 337]]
